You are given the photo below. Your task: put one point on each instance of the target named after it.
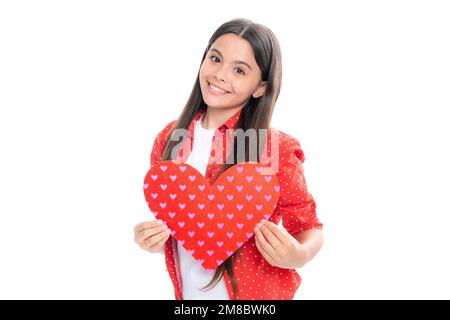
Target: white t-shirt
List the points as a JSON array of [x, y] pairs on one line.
[[193, 275]]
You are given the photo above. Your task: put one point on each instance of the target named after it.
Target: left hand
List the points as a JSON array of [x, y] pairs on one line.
[[279, 247]]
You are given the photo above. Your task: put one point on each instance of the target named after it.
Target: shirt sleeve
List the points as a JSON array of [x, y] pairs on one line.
[[296, 205]]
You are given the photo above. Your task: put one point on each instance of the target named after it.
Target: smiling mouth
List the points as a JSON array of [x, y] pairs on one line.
[[217, 89]]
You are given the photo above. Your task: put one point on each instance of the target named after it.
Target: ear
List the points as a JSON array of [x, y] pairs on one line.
[[260, 90]]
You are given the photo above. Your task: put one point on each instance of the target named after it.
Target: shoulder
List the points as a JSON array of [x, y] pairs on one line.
[[167, 128], [163, 134], [160, 143], [289, 146]]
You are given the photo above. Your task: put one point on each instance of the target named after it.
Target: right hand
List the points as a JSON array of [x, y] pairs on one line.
[[151, 235]]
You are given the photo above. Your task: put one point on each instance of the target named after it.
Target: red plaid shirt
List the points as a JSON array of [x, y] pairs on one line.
[[255, 277]]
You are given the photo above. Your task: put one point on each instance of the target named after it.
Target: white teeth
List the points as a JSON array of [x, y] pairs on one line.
[[217, 89]]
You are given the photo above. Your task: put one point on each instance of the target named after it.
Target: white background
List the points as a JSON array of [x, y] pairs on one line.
[[86, 85]]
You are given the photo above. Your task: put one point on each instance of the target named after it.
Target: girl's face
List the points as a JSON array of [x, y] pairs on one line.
[[230, 65]]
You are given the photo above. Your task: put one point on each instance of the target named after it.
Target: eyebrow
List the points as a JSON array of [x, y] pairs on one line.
[[235, 61]]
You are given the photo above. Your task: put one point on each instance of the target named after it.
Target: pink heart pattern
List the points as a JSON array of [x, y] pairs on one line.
[[211, 221]]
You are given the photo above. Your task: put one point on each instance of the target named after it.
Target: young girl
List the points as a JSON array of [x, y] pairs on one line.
[[237, 86]]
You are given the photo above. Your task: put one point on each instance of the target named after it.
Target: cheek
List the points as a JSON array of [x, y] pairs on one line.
[[206, 70], [204, 74], [202, 71], [242, 89]]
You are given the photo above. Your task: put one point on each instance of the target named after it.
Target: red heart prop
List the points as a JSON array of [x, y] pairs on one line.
[[211, 221]]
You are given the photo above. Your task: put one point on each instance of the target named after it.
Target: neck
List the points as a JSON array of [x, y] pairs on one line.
[[215, 117]]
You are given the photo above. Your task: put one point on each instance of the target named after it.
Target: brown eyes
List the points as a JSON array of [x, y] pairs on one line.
[[212, 58]]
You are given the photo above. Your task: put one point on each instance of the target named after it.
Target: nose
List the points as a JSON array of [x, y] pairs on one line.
[[220, 75]]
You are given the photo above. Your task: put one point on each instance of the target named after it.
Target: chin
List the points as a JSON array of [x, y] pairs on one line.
[[214, 105]]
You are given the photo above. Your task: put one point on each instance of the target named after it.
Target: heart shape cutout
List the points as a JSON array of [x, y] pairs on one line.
[[211, 221]]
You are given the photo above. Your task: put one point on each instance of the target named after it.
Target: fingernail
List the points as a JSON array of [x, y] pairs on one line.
[[164, 226], [160, 222]]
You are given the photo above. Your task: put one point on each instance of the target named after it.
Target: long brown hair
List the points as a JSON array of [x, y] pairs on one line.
[[256, 113]]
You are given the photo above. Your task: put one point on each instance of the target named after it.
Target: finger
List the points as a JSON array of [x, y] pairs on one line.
[[159, 243], [155, 239], [263, 252], [146, 225], [271, 238], [265, 246], [143, 235], [276, 231]]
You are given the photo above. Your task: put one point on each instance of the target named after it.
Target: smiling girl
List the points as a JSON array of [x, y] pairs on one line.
[[237, 86]]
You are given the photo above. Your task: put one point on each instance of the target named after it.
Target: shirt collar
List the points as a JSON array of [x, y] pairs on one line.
[[229, 124]]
